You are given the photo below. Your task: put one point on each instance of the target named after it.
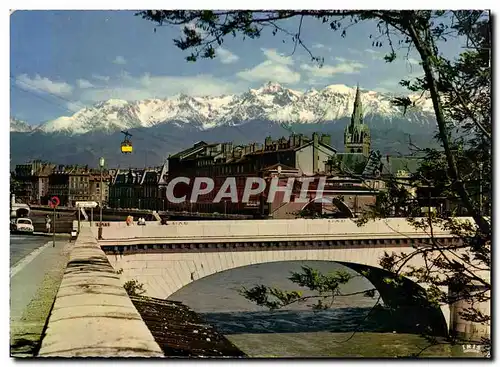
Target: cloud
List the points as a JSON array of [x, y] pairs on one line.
[[101, 77], [275, 68], [270, 71], [328, 71], [273, 55], [225, 56], [320, 46], [84, 84], [375, 55], [42, 84], [147, 86], [119, 60]]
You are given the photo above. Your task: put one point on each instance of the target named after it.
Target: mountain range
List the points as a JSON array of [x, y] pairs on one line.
[[163, 126]]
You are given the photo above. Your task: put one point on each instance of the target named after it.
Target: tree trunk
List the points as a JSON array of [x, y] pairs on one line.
[[424, 47]]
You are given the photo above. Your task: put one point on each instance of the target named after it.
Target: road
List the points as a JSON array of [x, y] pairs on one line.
[[22, 245], [36, 270]]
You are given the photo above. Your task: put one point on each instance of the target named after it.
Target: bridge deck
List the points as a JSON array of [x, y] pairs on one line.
[[263, 231]]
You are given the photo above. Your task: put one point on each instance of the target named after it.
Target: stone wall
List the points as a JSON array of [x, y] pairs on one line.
[[92, 315]]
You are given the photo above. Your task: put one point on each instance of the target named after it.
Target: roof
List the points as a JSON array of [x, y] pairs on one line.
[[46, 170], [198, 147], [292, 148], [283, 167], [150, 176], [163, 177], [140, 176], [131, 176]]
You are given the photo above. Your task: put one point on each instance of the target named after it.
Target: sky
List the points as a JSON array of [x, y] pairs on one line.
[[63, 61]]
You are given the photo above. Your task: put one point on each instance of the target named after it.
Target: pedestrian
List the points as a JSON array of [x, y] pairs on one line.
[[47, 223]]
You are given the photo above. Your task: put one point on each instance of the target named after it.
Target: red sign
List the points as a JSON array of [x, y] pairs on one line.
[[54, 202]]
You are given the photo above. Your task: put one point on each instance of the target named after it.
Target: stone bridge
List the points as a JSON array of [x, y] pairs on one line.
[[165, 258]]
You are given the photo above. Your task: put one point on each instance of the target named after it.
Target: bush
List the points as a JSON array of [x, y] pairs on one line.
[[134, 288]]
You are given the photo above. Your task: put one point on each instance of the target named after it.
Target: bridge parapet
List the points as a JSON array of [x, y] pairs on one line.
[[92, 314], [278, 229]]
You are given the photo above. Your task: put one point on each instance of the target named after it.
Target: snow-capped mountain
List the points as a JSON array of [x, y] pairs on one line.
[[19, 126], [272, 102]]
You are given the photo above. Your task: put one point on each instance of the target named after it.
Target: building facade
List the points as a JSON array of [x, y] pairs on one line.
[[138, 188], [32, 181], [97, 185], [38, 181], [70, 184], [298, 155]]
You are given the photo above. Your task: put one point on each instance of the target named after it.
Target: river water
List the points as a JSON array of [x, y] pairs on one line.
[[297, 331]]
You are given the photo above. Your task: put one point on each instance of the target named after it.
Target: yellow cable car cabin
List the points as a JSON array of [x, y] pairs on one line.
[[127, 147], [126, 144]]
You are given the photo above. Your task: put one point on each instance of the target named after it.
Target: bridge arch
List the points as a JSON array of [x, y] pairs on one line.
[[163, 274]]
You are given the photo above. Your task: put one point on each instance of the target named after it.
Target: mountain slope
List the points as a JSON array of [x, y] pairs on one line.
[[19, 126], [153, 145], [160, 127], [272, 102]]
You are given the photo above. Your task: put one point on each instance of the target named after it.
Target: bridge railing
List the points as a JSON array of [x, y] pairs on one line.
[[92, 315], [255, 229]]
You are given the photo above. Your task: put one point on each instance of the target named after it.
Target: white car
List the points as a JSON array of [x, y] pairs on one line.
[[22, 225]]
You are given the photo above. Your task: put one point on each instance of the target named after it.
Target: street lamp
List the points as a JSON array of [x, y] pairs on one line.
[[101, 166]]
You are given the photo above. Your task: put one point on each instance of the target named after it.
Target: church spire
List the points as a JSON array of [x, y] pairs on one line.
[[357, 113], [357, 134]]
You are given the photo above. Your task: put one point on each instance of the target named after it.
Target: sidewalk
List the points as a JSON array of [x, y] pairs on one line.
[[33, 288]]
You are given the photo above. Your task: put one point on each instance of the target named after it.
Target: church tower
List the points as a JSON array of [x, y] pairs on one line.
[[357, 134]]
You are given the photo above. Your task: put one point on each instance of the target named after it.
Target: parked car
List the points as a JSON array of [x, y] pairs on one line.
[[22, 225]]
